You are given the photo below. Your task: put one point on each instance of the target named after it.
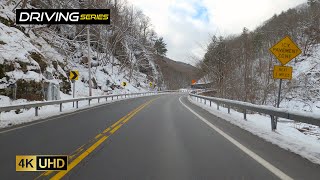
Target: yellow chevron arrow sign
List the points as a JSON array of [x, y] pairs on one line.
[[74, 75]]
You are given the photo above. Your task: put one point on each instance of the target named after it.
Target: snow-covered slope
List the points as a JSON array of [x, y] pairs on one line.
[[33, 58], [303, 92]]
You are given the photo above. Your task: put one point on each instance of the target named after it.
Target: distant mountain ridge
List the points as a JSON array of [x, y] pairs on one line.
[[176, 74]]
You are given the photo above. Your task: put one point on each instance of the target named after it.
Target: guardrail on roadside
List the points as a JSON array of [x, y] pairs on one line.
[[36, 105], [272, 111]]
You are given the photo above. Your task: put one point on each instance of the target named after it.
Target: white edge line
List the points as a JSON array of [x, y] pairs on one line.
[[253, 155], [64, 114]]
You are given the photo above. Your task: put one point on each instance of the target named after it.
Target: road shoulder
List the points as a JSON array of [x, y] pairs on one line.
[[291, 163]]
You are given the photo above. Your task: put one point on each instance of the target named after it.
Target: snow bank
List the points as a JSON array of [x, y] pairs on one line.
[[287, 135]]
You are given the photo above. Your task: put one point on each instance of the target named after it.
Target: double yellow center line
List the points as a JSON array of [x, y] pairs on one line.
[[97, 141]]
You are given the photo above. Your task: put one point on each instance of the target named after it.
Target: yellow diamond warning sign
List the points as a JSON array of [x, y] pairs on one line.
[[282, 72], [285, 50]]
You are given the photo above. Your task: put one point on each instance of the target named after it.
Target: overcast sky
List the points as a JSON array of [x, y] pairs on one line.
[[187, 25]]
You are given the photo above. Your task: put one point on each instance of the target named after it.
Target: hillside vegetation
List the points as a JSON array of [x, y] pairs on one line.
[[176, 74], [241, 66]]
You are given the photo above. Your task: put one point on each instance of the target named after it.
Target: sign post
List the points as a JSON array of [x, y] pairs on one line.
[[285, 50], [73, 90], [74, 75], [279, 93]]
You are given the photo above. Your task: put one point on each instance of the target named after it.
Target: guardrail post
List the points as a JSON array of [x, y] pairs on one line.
[[106, 99], [210, 103], [228, 109], [60, 107], [89, 102], [117, 97], [36, 111], [217, 106], [98, 100], [205, 101], [245, 114], [273, 123], [77, 104], [112, 98]]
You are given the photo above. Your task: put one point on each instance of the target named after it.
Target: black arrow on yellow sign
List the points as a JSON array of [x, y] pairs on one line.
[[74, 75]]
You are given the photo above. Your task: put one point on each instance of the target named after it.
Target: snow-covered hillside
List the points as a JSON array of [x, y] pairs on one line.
[[36, 59], [303, 92]]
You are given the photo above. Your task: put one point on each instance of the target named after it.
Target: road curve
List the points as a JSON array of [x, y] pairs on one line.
[[149, 138]]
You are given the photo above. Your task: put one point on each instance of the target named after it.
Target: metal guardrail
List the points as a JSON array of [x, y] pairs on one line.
[[36, 105], [272, 111]]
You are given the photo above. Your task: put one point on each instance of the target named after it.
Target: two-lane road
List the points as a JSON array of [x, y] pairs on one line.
[[153, 137]]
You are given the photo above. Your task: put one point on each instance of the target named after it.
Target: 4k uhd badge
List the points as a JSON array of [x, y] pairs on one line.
[[63, 16]]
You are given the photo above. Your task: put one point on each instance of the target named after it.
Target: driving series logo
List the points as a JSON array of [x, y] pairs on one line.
[[63, 16]]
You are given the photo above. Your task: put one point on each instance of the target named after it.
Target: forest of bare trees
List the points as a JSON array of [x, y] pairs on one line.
[[241, 66]]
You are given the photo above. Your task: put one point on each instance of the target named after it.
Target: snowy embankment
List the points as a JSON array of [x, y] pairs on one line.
[[302, 93], [287, 135]]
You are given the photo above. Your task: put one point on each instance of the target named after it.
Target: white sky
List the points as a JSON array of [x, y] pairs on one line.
[[187, 25]]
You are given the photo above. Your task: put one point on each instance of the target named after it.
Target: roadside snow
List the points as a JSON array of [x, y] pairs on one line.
[[11, 118], [287, 135]]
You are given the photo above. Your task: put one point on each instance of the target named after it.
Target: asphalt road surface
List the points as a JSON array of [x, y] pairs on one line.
[[154, 137]]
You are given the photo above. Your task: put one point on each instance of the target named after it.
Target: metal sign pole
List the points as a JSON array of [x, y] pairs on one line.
[[274, 120], [279, 93], [74, 89]]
